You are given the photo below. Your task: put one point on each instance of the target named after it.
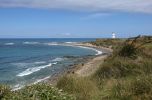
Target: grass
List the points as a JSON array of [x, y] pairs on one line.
[[82, 88], [108, 42], [125, 75], [138, 88]]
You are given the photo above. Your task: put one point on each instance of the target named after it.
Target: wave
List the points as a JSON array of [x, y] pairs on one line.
[[20, 86], [58, 59], [40, 62], [33, 69], [17, 87], [52, 43], [30, 42], [61, 43], [9, 43], [71, 42], [41, 80], [98, 51]]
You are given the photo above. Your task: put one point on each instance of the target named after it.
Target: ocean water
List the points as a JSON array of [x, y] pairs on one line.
[[26, 61]]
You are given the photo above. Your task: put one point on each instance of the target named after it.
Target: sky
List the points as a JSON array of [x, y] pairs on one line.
[[75, 18]]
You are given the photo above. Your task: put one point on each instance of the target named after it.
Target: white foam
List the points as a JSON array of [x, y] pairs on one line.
[[17, 87], [40, 80], [33, 69], [30, 42], [58, 59], [52, 43], [20, 86], [40, 62], [98, 51], [71, 42], [74, 44], [9, 43]]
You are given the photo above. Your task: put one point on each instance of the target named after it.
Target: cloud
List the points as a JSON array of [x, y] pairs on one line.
[[142, 6], [65, 34], [95, 15]]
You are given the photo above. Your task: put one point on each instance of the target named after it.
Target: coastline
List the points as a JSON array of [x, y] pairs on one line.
[[82, 69], [88, 67]]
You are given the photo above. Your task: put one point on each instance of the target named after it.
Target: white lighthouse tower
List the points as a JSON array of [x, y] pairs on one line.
[[113, 35]]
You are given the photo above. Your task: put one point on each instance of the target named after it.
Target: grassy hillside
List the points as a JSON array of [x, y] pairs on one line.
[[112, 43], [125, 75]]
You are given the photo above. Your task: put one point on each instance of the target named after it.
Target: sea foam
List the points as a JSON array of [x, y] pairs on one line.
[[98, 51], [71, 42], [52, 43], [40, 62], [9, 43], [34, 69], [58, 59], [30, 42], [41, 80]]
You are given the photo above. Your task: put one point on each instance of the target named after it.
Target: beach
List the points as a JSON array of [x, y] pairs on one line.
[[87, 67]]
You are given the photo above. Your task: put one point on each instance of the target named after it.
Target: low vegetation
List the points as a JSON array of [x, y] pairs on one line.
[[124, 75], [34, 92], [81, 88], [108, 43]]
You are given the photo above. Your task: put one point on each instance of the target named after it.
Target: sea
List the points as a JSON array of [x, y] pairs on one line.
[[29, 61]]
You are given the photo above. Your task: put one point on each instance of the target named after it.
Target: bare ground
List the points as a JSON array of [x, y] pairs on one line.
[[91, 66]]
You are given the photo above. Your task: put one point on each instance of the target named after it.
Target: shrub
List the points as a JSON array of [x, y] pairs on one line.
[[117, 68], [35, 92], [132, 46], [4, 91]]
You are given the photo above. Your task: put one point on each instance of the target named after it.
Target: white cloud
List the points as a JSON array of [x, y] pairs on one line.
[[65, 34], [143, 6], [95, 15]]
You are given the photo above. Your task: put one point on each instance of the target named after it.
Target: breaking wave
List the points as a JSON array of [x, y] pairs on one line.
[[30, 42], [9, 43], [34, 69]]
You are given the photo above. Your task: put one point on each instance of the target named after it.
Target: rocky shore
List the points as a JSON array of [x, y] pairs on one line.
[[86, 67]]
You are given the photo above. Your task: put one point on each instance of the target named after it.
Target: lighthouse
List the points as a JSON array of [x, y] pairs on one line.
[[113, 35]]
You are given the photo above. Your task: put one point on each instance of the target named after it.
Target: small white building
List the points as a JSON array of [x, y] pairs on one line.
[[113, 35]]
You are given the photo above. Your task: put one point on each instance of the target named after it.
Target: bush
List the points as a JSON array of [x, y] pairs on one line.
[[4, 91], [128, 50], [35, 92], [117, 68]]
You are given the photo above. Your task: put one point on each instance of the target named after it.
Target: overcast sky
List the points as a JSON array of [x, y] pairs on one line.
[[74, 18]]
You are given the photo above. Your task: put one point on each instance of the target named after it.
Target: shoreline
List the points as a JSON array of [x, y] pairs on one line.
[[86, 68], [80, 68]]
